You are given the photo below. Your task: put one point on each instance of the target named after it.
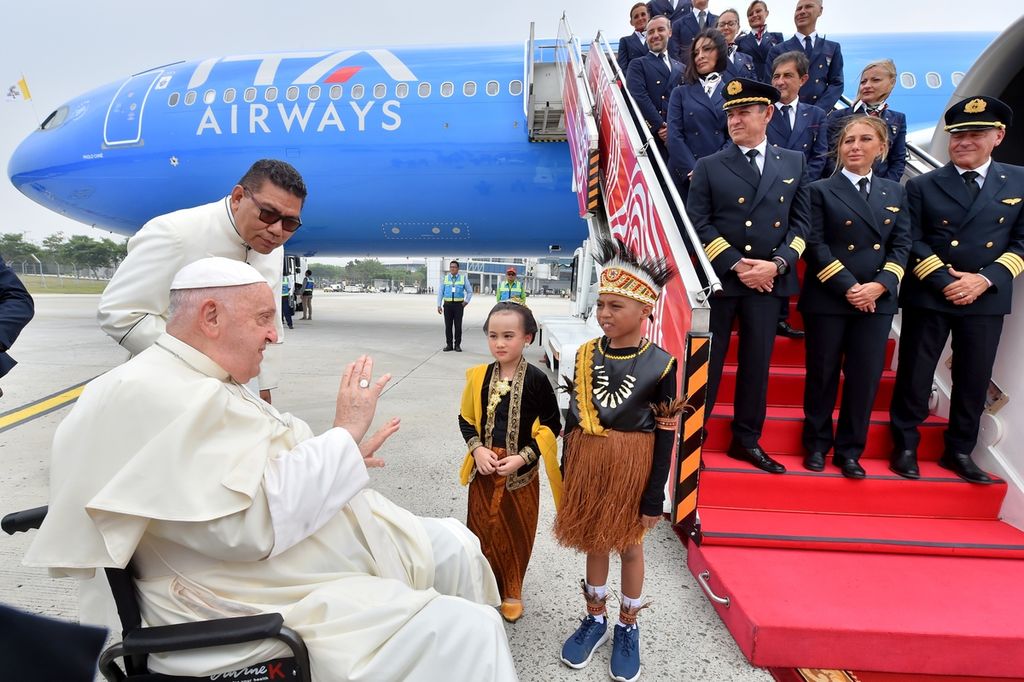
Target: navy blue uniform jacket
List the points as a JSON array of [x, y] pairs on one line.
[[696, 127], [651, 83], [986, 237], [747, 44], [630, 47], [741, 66], [664, 7], [16, 309], [683, 31], [809, 136], [738, 216], [824, 84], [895, 161], [852, 241]]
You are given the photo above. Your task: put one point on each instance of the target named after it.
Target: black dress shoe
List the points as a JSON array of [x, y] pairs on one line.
[[458, 349], [904, 463], [814, 461], [757, 457], [784, 329], [447, 349], [849, 468], [962, 465]]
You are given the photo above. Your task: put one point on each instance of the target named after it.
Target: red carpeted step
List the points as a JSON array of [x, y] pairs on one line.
[[786, 387], [790, 352], [865, 611], [726, 482], [861, 533], [784, 425]]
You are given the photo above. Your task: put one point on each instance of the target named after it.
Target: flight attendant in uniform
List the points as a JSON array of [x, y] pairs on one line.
[[635, 44], [759, 41], [740, 64], [686, 27], [749, 205], [824, 84], [696, 120], [650, 79], [968, 227], [857, 249], [673, 9]]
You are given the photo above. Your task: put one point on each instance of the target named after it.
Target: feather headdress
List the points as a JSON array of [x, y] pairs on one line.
[[625, 274]]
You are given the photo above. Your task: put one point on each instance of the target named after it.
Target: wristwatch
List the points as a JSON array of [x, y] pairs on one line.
[[781, 264]]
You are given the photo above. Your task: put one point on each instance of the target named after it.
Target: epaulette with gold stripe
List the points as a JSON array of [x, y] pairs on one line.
[[927, 266], [896, 269], [798, 244], [1012, 262], [716, 248], [830, 270]]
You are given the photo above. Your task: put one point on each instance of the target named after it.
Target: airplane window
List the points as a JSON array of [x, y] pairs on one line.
[[933, 79], [402, 90], [357, 91], [55, 119], [515, 88], [492, 88], [209, 97], [313, 93], [270, 94], [229, 96], [335, 92], [424, 90], [190, 98], [469, 88], [908, 80], [447, 88], [292, 93], [379, 90], [957, 77], [172, 101], [249, 95]]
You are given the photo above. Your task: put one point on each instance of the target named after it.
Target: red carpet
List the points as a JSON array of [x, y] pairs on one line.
[[817, 675]]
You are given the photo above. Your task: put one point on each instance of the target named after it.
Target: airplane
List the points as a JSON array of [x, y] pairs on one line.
[[406, 151]]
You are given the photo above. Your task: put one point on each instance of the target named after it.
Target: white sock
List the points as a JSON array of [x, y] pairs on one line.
[[598, 591], [629, 603]]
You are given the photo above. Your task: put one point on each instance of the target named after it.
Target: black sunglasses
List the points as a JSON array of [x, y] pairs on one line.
[[270, 216]]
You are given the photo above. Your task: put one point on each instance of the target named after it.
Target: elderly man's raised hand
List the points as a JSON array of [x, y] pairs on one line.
[[370, 446], [357, 397]]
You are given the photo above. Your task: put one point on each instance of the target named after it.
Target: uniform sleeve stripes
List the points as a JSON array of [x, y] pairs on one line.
[[927, 266], [1012, 262], [829, 270], [798, 244], [716, 247], [895, 269]]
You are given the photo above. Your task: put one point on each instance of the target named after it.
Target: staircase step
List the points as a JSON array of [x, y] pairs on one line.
[[786, 387], [937, 615], [726, 482], [861, 533], [790, 352], [783, 428]]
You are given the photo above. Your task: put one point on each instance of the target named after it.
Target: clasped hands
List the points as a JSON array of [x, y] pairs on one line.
[[863, 296], [356, 405], [966, 289], [757, 274], [487, 462]]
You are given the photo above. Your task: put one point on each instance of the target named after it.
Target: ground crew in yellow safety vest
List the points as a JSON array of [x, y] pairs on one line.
[[511, 289], [452, 296]]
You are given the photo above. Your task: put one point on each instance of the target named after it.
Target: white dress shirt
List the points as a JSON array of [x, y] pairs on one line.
[[854, 178], [981, 170], [761, 148]]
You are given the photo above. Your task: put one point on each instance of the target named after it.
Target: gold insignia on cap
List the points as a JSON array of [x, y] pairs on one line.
[[975, 106], [894, 209], [789, 181], [1012, 201], [735, 88]]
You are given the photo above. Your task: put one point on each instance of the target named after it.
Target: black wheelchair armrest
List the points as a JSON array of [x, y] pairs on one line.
[[24, 520], [202, 634]]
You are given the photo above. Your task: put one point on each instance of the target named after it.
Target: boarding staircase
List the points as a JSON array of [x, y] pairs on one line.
[[807, 570]]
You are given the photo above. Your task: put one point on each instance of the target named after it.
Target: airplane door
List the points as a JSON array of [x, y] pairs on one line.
[[123, 125]]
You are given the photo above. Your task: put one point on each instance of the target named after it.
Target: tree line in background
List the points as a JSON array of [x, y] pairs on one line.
[[73, 254], [364, 271]]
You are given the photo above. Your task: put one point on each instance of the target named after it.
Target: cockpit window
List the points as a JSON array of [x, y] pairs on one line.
[[55, 119]]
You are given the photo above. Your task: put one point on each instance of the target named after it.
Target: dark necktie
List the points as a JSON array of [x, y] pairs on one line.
[[787, 128], [702, 19], [863, 184], [752, 155], [808, 45], [972, 187]]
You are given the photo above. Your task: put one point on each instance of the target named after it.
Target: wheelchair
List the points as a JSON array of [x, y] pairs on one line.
[[138, 641]]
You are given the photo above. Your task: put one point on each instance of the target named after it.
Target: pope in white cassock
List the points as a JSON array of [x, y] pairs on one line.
[[227, 507]]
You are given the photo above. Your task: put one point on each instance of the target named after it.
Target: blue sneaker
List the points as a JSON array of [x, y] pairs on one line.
[[625, 663], [580, 647]]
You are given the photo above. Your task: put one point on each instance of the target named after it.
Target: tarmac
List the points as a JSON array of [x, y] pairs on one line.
[[682, 636]]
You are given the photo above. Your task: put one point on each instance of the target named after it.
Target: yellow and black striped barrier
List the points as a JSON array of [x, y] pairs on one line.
[[695, 385], [43, 406], [593, 190]]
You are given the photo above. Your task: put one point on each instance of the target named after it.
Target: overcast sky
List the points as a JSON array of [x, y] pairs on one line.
[[67, 47]]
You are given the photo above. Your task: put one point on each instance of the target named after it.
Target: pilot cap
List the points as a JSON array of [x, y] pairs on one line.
[[741, 92], [978, 113], [208, 273]]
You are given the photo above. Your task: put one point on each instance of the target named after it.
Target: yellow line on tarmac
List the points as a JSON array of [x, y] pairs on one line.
[[25, 413]]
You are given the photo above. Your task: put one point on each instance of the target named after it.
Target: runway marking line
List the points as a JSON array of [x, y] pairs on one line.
[[43, 406]]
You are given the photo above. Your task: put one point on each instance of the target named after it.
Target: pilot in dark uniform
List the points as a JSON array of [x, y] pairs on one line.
[[824, 84], [857, 249], [686, 27], [650, 79], [759, 42], [749, 205], [738, 65], [635, 44], [968, 227], [673, 9], [696, 119]]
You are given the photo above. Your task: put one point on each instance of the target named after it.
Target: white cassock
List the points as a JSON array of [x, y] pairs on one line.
[[227, 507], [133, 307]]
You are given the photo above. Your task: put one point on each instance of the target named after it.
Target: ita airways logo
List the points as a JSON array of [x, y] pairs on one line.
[[329, 67]]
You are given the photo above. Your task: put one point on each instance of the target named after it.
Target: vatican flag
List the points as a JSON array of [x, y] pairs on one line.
[[19, 92]]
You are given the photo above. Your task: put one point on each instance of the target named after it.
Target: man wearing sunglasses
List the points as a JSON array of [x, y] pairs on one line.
[[251, 225]]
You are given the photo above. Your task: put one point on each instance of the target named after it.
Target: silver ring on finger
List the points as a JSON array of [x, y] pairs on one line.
[[364, 383]]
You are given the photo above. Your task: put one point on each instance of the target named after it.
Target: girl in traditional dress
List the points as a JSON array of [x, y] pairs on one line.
[[620, 434], [510, 420]]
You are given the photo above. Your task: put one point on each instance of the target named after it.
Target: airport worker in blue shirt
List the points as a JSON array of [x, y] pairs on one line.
[[686, 27], [452, 297], [635, 44], [824, 84], [511, 289], [16, 310], [967, 220], [876, 83], [739, 65], [857, 249], [696, 120], [651, 78], [759, 41], [749, 205]]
